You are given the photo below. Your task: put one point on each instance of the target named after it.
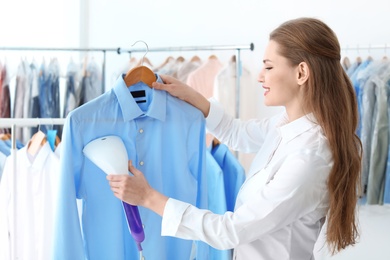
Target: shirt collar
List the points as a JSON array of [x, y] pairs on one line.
[[290, 130], [40, 158], [130, 109]]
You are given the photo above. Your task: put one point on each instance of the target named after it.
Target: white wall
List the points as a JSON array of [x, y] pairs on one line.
[[120, 23]]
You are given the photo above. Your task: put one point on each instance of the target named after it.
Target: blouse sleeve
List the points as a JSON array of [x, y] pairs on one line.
[[244, 136]]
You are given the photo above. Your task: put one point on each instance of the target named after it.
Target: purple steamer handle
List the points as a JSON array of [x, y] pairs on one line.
[[135, 224]]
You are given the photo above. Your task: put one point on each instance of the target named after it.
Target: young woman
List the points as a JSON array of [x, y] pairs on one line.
[[307, 167]]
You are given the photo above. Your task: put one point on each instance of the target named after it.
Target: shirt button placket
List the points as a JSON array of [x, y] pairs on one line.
[[141, 131]]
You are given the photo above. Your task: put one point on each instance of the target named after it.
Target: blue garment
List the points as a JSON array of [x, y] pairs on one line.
[[233, 178], [216, 201], [358, 85], [379, 135], [386, 195], [373, 131], [164, 138], [5, 148], [49, 94], [234, 173]]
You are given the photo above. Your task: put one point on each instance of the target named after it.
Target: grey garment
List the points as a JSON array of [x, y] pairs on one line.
[[367, 113], [379, 135], [91, 83], [34, 111], [49, 94], [21, 101], [186, 69], [72, 92]]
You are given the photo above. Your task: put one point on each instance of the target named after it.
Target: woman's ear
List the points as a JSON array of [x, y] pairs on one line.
[[303, 73]]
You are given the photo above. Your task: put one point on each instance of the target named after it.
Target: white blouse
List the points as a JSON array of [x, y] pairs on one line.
[[281, 206]]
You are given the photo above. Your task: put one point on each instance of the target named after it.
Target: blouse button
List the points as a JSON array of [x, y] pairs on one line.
[[141, 163], [141, 131]]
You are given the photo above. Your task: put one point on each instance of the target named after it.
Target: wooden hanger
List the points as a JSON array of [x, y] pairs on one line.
[[5, 136], [213, 57], [195, 58], [216, 142], [140, 73], [346, 63], [37, 140], [180, 59]]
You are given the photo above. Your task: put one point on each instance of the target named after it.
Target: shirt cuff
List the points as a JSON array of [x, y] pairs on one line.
[[215, 114], [173, 213]]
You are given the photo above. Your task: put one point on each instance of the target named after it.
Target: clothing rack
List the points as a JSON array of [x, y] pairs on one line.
[[366, 47], [236, 48], [119, 50]]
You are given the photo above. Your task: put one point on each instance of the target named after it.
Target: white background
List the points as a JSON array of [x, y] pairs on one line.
[[176, 23]]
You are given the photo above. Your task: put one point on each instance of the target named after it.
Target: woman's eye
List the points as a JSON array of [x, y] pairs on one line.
[[268, 68]]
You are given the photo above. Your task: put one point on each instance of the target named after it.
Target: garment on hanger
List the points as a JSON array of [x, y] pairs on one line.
[[225, 91], [5, 97], [73, 88], [202, 79], [164, 138], [233, 172], [36, 180], [216, 200], [188, 67], [374, 87], [22, 98], [91, 84], [49, 92]]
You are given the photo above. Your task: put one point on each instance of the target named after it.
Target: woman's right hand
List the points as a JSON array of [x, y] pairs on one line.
[[184, 92]]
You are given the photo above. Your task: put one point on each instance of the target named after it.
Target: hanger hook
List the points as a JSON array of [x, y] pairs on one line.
[[147, 49]]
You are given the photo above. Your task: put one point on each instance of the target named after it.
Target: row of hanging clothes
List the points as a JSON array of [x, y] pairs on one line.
[[371, 80], [36, 91]]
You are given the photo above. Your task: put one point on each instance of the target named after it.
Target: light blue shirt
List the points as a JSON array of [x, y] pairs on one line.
[[216, 201], [234, 173], [165, 139]]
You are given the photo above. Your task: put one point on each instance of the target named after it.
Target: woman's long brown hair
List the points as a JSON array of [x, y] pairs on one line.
[[331, 98]]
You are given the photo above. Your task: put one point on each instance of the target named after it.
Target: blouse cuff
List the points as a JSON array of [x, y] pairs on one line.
[[173, 213], [215, 114]]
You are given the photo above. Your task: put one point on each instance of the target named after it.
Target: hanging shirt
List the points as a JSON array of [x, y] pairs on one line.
[[164, 138], [202, 80], [234, 174], [5, 97], [225, 91], [21, 102], [282, 204], [216, 199], [36, 183]]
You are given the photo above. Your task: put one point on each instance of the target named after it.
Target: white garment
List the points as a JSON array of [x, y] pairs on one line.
[[36, 181], [225, 91], [3, 158], [281, 206]]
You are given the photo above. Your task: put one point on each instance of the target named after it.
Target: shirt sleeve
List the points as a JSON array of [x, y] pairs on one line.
[[244, 136], [67, 226], [294, 191]]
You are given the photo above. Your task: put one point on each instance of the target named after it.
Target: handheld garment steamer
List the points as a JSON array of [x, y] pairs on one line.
[[110, 155]]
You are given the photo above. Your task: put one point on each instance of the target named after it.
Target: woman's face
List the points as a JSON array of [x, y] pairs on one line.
[[279, 79]]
